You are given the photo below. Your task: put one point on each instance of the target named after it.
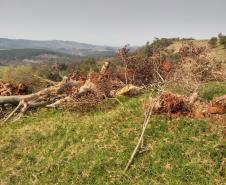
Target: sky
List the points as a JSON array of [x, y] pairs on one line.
[[111, 22]]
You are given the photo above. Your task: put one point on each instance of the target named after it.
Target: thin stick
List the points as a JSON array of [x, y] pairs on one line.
[[159, 75], [142, 141], [11, 114], [45, 80], [23, 110], [148, 116]]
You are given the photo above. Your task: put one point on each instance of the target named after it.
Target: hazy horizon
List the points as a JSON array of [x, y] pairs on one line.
[[112, 23]]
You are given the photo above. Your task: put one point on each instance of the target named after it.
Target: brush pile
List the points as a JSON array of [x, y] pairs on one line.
[[8, 89], [71, 93], [141, 71], [196, 67]]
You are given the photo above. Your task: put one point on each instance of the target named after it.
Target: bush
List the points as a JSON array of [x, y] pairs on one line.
[[213, 42], [158, 44]]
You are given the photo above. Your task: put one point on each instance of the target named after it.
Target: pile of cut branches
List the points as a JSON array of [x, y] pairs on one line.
[[7, 89], [71, 93], [195, 67]]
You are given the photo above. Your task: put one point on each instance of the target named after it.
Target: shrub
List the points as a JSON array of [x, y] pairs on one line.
[[213, 42], [158, 44]]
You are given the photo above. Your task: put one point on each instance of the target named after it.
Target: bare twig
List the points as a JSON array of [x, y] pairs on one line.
[[46, 80], [11, 114], [23, 110], [147, 118], [159, 75]]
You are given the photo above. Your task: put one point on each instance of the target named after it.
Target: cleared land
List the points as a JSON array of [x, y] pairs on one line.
[[61, 147]]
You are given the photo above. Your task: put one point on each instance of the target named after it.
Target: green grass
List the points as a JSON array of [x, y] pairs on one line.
[[212, 89], [59, 147]]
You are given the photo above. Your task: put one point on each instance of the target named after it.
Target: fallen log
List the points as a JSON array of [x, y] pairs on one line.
[[127, 90], [24, 102], [53, 96]]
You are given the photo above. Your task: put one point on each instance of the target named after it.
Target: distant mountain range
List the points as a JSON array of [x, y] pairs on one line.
[[66, 47]]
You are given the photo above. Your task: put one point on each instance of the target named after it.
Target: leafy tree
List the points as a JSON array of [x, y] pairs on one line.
[[220, 35], [213, 42], [158, 44], [222, 38]]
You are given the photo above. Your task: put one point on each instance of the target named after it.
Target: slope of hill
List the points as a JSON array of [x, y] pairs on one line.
[[68, 47], [59, 147], [17, 54], [62, 147]]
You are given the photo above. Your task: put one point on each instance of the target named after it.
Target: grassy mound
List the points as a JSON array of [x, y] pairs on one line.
[[59, 147]]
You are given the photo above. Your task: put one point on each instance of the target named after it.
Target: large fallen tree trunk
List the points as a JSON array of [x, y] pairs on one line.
[[31, 97], [40, 98]]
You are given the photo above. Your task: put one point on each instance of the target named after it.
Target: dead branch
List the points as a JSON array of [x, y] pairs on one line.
[[159, 76], [140, 141], [128, 90], [45, 80], [104, 69], [53, 96], [13, 112], [87, 87], [31, 100], [59, 102]]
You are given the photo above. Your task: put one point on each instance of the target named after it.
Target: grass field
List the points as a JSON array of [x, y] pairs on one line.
[[59, 147]]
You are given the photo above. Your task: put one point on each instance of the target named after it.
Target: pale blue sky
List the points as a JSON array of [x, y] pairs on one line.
[[111, 22]]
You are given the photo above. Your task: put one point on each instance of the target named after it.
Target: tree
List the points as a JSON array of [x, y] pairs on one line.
[[213, 42], [220, 35], [222, 38]]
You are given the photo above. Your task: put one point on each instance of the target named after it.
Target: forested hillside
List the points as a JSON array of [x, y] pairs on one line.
[[67, 47]]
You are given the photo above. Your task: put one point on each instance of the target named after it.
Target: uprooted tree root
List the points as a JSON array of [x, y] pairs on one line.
[[193, 106]]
